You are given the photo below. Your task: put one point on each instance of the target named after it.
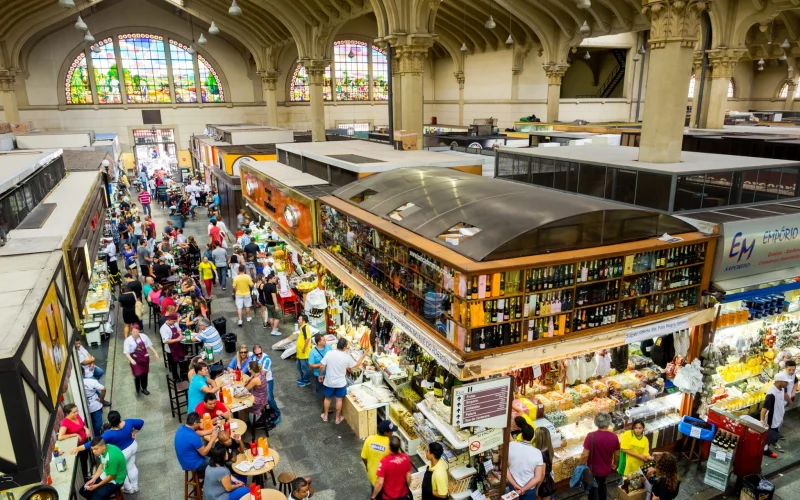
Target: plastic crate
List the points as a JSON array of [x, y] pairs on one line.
[[687, 423]]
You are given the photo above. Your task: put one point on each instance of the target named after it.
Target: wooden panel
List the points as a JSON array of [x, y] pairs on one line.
[[364, 423]]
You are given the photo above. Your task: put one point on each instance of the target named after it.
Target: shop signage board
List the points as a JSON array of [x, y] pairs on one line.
[[754, 247], [482, 404], [484, 441], [656, 329]]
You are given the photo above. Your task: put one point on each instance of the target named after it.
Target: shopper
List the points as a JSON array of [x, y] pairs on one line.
[[110, 474], [268, 295], [240, 219], [600, 453], [543, 443], [234, 445], [145, 258], [332, 373], [435, 482], [135, 349], [219, 484], [145, 198], [393, 474], [526, 466], [86, 360], [303, 349], [208, 273], [135, 286], [243, 286], [189, 447], [95, 392], [215, 233], [773, 411], [239, 362], [138, 231], [220, 258], [214, 407], [172, 340], [73, 426], [251, 250], [127, 302], [667, 483], [318, 352], [244, 239], [266, 367], [129, 254], [375, 448], [791, 387], [200, 385], [634, 449], [259, 388]]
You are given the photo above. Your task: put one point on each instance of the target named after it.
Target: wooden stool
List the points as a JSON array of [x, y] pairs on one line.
[[178, 397], [286, 478], [192, 487], [693, 455]]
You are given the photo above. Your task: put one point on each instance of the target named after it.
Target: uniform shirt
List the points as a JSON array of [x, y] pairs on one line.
[[130, 344], [773, 402], [303, 338], [111, 251], [114, 464], [394, 468], [439, 481], [92, 388], [641, 446], [166, 334], [242, 283], [374, 449]]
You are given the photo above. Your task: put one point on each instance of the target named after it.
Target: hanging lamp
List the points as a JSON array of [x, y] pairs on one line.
[[191, 50], [587, 56], [464, 47], [782, 57], [88, 38], [490, 24], [351, 54], [235, 10], [642, 50], [80, 25], [585, 29], [213, 30], [509, 40], [636, 57], [67, 4], [584, 4], [96, 49], [202, 40], [785, 45]]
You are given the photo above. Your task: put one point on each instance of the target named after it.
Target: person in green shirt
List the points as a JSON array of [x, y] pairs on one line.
[[110, 473]]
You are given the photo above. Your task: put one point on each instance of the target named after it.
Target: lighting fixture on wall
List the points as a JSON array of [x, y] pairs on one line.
[[785, 45], [80, 25], [88, 38], [464, 47], [490, 24], [213, 30], [585, 29], [235, 10], [202, 40], [584, 4], [587, 56], [67, 4]]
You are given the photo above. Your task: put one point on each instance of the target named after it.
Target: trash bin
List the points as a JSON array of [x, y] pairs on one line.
[[221, 325], [756, 487], [229, 339]]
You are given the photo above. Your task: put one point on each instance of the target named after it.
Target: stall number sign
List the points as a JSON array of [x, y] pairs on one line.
[[484, 441], [482, 404], [656, 330]]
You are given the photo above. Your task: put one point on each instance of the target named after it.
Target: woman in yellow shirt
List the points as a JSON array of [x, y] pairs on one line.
[[636, 448], [208, 273]]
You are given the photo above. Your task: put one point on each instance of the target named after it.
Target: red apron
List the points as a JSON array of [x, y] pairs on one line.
[[176, 351], [142, 359]]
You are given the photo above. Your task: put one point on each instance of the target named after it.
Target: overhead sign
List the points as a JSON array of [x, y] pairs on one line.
[[482, 404], [656, 329], [484, 441], [753, 247]]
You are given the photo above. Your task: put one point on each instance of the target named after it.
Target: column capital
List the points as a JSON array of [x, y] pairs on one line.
[[7, 79], [723, 62], [269, 79], [459, 78], [555, 72], [315, 68], [674, 21], [792, 84], [411, 51]]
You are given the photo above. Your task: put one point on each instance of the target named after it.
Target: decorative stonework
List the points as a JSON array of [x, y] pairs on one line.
[[7, 79], [675, 21], [269, 79], [412, 58], [723, 62], [460, 79], [316, 70], [555, 72]]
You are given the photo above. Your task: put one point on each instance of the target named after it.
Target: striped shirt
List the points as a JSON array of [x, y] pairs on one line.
[[144, 198], [210, 338]]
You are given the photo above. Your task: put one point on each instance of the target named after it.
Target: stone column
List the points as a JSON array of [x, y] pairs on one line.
[[722, 62], [698, 70], [316, 76], [412, 58], [791, 84], [674, 28], [8, 96], [397, 92], [515, 83], [269, 82], [460, 79], [555, 72]]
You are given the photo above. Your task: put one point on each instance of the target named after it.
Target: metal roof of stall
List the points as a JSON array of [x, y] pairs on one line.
[[513, 219]]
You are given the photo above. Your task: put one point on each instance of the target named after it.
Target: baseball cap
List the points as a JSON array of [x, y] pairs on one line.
[[386, 426], [783, 377]]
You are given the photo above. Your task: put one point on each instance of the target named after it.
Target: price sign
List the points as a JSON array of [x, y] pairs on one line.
[[482, 404], [695, 432], [488, 466], [721, 455], [537, 371]]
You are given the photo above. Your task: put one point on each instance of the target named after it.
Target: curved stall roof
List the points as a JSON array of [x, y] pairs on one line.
[[514, 219]]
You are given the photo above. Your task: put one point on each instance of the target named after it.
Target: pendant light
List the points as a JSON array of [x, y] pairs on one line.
[[96, 49], [235, 10], [80, 25], [464, 27], [642, 50], [213, 30], [202, 40], [88, 38], [584, 4], [636, 57], [67, 4], [761, 62], [191, 50], [490, 24], [351, 54], [509, 40], [785, 45], [782, 57], [585, 29], [587, 56], [761, 68], [464, 47]]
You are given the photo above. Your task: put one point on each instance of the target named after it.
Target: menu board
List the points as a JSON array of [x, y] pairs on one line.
[[482, 404]]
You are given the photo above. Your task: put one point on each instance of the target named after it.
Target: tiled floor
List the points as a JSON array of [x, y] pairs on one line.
[[330, 454]]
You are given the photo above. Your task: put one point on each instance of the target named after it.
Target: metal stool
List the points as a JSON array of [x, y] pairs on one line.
[[285, 479], [192, 485]]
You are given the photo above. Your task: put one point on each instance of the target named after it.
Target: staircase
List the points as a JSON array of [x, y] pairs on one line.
[[616, 76]]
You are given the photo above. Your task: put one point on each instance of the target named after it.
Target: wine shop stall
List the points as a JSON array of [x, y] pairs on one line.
[[554, 306]]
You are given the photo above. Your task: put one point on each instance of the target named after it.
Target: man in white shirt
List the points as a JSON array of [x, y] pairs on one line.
[[111, 258], [332, 374], [526, 466], [86, 360], [95, 394]]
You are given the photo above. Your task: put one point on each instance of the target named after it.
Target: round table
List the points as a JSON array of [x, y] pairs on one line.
[[241, 428], [258, 473], [270, 494], [238, 404]]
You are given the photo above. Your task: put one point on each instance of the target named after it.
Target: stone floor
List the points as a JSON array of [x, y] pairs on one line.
[[329, 453]]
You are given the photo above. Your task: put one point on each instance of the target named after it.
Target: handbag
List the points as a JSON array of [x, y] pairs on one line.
[[548, 486], [139, 309]]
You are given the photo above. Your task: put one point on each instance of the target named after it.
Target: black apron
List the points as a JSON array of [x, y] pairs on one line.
[[427, 486]]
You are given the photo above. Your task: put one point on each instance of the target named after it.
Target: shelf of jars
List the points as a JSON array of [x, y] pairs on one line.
[[523, 306]]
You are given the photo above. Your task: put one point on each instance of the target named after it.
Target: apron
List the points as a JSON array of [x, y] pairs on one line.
[[427, 486], [142, 359], [176, 351]]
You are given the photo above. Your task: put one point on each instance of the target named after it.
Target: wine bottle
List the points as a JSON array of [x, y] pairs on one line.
[[502, 290], [448, 389]]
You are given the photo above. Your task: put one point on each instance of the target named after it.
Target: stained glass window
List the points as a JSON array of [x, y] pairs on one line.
[[693, 81], [380, 75], [106, 75], [731, 88], [78, 90], [182, 72], [210, 85], [299, 89], [784, 93], [351, 61], [144, 67]]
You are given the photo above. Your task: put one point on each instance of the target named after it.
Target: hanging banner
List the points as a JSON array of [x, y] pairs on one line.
[[657, 329], [752, 247]]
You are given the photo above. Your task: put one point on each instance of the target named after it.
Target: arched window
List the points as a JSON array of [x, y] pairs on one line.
[[155, 70], [692, 82], [784, 93], [361, 73]]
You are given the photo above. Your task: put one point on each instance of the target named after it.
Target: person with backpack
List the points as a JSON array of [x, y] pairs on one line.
[[600, 454], [526, 466]]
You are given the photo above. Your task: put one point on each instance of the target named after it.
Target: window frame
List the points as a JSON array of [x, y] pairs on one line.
[[693, 87], [132, 30], [783, 92]]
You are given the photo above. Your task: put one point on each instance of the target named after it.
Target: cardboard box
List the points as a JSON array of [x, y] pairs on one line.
[[635, 495], [405, 140]]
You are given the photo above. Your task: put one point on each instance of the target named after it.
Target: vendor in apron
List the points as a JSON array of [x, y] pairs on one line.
[[171, 337], [434, 481], [135, 349]]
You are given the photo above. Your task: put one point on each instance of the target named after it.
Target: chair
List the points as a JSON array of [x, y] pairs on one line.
[[285, 479], [290, 305], [178, 396], [261, 421], [155, 315], [192, 485]]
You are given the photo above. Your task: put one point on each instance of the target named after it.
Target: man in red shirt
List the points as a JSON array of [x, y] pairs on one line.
[[213, 407], [394, 474], [167, 301], [215, 232], [144, 199]]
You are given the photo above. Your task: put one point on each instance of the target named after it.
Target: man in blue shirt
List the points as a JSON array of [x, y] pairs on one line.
[[266, 366], [318, 352], [200, 386], [208, 335], [191, 452]]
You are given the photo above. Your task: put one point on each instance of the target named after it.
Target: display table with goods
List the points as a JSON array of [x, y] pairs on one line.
[[98, 304]]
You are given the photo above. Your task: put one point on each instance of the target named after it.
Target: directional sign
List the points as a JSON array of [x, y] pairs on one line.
[[482, 404]]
